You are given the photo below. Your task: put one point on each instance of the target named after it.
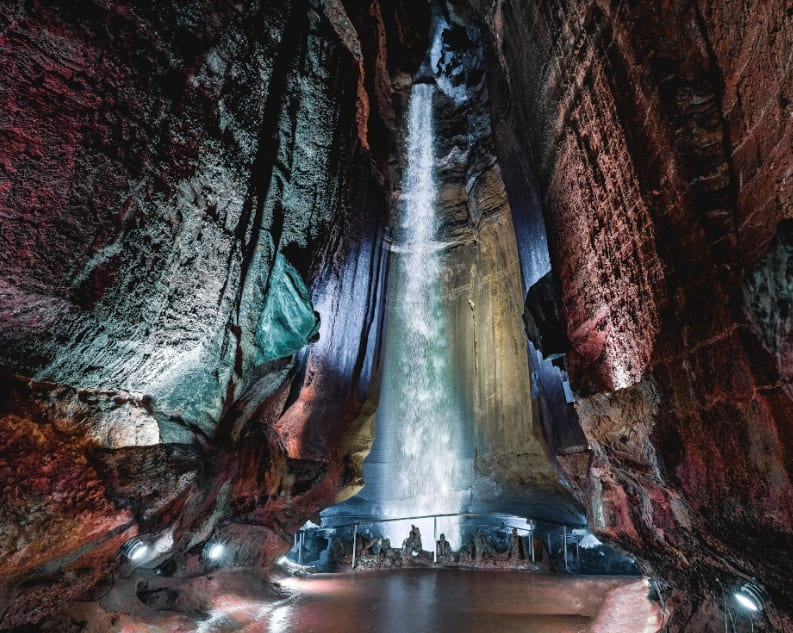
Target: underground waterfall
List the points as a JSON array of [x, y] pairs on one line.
[[454, 390], [421, 463], [422, 449]]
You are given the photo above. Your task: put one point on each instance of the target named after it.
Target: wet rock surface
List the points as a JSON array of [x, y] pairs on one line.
[[413, 601], [484, 295]]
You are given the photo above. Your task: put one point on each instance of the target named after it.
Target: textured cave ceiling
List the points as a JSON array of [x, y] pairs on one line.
[[170, 174]]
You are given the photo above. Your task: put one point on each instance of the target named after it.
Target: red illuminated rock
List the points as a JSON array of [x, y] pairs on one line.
[[661, 135]]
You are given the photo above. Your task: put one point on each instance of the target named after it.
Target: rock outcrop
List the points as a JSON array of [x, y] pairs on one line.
[[484, 288], [661, 137]]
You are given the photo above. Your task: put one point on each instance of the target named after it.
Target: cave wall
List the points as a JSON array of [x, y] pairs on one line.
[[157, 162], [661, 138], [483, 285]]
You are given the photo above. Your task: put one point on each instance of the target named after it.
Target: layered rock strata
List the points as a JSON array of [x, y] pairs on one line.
[[661, 136], [484, 289]]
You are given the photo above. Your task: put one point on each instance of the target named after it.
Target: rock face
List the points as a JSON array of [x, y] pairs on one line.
[[487, 399], [484, 288], [661, 136], [182, 187]]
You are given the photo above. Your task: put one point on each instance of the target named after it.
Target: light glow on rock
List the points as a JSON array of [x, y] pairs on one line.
[[750, 597], [746, 602]]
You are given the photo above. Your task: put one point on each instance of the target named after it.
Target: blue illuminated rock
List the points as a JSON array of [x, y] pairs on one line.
[[288, 320]]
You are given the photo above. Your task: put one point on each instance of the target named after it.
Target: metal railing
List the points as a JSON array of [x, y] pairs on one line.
[[529, 530]]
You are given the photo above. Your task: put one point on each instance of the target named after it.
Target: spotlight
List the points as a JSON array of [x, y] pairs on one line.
[[751, 598], [134, 550], [215, 551]]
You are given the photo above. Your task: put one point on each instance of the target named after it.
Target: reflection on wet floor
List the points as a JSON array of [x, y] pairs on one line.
[[466, 602], [432, 601]]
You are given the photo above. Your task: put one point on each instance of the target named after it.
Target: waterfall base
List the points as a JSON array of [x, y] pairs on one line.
[[485, 542]]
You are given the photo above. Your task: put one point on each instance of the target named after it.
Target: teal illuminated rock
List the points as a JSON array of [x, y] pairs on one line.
[[288, 321]]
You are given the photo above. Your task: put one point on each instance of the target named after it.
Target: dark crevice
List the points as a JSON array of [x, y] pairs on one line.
[[263, 165], [262, 175], [376, 289], [717, 80]]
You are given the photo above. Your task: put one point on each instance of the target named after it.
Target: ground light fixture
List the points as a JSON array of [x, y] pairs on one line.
[[750, 598], [134, 550], [214, 551]]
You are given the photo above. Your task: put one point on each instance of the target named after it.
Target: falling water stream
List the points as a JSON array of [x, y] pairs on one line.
[[421, 460]]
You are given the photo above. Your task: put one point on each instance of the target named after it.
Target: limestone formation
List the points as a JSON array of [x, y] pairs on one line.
[[183, 187]]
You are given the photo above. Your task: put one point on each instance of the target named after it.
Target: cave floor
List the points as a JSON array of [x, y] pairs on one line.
[[430, 601]]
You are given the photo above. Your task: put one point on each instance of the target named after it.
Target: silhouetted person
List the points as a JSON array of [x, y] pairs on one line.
[[517, 551], [478, 545], [412, 544], [443, 548]]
